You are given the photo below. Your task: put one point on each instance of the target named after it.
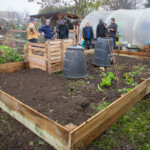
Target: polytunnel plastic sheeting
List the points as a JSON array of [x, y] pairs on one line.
[[133, 25]]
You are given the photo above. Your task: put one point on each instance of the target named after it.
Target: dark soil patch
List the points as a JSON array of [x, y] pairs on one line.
[[65, 101]]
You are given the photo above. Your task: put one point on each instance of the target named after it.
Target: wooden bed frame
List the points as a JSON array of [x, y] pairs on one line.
[[68, 137]]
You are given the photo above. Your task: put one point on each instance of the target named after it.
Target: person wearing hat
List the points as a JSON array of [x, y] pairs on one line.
[[32, 32], [47, 30], [101, 29], [63, 30]]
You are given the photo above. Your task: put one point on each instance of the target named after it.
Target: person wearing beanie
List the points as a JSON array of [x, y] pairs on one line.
[[63, 30], [32, 32], [47, 30], [101, 29]]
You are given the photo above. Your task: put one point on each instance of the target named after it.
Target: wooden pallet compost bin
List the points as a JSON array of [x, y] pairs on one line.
[[49, 56], [68, 137]]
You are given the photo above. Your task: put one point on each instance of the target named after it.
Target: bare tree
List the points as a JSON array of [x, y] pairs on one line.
[[124, 4], [116, 4], [147, 5]]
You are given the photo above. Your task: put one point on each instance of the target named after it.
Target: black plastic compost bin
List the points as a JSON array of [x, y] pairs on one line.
[[75, 63], [103, 52]]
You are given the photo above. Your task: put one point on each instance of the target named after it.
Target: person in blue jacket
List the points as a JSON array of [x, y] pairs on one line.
[[47, 30]]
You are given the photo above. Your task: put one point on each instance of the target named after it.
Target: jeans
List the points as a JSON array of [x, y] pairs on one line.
[[47, 39], [114, 42], [33, 40], [88, 44]]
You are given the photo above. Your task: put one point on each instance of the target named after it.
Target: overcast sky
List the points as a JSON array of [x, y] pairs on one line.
[[19, 5]]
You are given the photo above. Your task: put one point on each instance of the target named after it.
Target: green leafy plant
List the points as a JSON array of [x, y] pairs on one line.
[[103, 74], [106, 81], [141, 69], [9, 55], [125, 90], [100, 89]]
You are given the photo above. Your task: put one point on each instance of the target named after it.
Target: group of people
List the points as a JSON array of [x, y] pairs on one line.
[[62, 30], [102, 31], [47, 31]]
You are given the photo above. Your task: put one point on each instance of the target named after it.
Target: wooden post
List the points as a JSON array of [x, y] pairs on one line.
[[26, 52], [49, 58], [62, 54], [77, 34], [55, 32], [46, 44]]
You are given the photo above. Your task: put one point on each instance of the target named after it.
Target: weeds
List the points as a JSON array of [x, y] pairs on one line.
[[100, 107], [125, 90]]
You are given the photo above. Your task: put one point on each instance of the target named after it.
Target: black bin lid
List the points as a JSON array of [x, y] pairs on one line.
[[75, 47]]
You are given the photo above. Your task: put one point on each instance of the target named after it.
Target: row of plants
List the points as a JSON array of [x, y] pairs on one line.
[[128, 78], [8, 54]]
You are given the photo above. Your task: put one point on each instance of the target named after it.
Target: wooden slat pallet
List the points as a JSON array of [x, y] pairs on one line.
[[53, 54], [69, 137]]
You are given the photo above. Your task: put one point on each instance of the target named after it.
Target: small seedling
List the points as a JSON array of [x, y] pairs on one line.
[[41, 142], [82, 82], [91, 77], [125, 90], [103, 74], [57, 72], [100, 107], [31, 143], [100, 89]]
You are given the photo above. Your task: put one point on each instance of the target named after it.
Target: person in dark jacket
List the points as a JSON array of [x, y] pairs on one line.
[[63, 30], [113, 31], [101, 29], [47, 30], [88, 35]]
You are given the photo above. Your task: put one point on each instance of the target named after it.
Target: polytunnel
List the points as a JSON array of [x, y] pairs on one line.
[[133, 25]]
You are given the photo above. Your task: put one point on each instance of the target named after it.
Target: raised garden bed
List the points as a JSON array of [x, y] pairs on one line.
[[71, 101]]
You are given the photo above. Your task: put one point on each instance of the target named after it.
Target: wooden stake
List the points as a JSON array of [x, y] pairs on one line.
[[62, 54], [26, 52], [49, 58]]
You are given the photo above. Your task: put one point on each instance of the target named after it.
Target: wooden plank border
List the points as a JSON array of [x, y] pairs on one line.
[[127, 53], [84, 134], [140, 54], [14, 66], [50, 131]]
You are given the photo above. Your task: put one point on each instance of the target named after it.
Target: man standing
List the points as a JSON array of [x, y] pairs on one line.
[[88, 35], [63, 30], [113, 31], [32, 32], [47, 30], [101, 29]]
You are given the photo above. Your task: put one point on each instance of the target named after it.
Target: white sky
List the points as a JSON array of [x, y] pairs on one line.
[[19, 6]]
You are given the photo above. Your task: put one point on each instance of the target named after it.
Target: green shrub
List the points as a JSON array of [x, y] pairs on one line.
[[9, 55]]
